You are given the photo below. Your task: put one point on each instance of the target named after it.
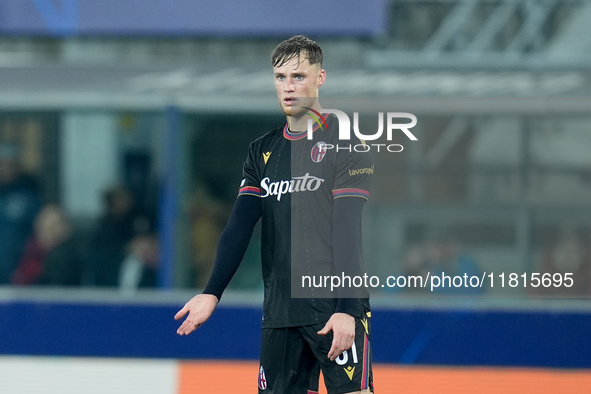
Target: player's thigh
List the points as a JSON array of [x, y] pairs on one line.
[[288, 365], [351, 372]]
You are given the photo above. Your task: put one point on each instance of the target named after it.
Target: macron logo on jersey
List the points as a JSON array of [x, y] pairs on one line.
[[297, 184]]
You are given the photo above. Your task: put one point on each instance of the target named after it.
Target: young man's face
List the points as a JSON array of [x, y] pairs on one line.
[[297, 83]]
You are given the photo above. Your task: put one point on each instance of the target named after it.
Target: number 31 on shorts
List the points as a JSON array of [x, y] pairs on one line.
[[344, 357]]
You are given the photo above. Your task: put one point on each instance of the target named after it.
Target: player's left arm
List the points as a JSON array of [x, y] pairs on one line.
[[347, 213], [353, 176]]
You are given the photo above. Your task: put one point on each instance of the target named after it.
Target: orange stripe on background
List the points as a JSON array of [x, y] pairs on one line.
[[218, 377], [390, 379], [234, 377]]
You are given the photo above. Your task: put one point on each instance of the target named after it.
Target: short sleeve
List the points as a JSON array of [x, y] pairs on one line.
[[250, 185], [354, 173]]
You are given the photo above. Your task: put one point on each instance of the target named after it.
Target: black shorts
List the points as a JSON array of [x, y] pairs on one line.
[[292, 358]]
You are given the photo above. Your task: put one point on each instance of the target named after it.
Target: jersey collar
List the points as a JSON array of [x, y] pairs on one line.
[[293, 136]]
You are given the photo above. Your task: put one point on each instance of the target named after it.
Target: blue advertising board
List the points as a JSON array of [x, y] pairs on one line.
[[192, 18], [547, 339]]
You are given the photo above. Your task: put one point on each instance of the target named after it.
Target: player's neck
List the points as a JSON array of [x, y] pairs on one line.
[[299, 124]]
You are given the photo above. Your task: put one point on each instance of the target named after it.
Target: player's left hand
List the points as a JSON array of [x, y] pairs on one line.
[[342, 326]]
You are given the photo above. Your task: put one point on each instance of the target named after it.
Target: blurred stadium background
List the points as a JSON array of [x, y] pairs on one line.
[[126, 125]]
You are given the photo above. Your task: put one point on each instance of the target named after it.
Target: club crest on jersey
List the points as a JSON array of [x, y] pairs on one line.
[[262, 379], [319, 151]]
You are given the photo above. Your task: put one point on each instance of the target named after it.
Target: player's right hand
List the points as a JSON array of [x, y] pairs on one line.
[[200, 309]]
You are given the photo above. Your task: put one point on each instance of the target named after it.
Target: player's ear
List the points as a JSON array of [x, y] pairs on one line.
[[321, 78]]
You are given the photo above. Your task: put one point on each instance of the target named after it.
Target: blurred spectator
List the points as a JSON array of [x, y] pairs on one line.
[[208, 216], [19, 204], [568, 254], [51, 255], [443, 254], [140, 267], [120, 223]]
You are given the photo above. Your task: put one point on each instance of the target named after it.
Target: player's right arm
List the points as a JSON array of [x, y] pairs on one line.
[[230, 251], [231, 248]]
